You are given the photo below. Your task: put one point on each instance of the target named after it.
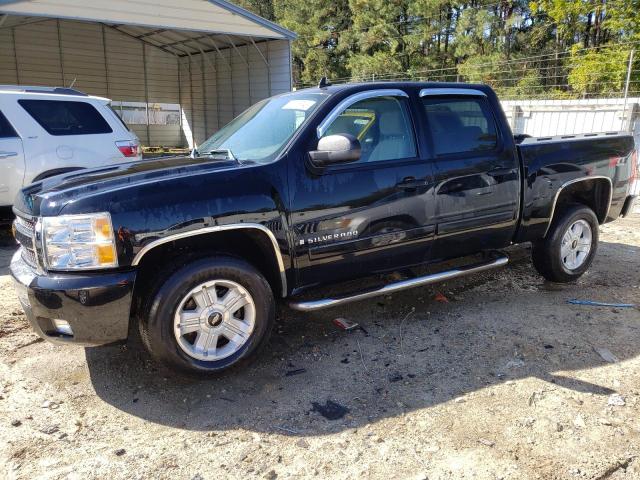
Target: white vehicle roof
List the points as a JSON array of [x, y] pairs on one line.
[[53, 93]]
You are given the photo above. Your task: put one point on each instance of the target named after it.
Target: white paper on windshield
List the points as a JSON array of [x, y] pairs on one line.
[[299, 105]]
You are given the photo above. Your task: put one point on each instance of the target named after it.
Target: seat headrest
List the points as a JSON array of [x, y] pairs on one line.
[[392, 123], [444, 121]]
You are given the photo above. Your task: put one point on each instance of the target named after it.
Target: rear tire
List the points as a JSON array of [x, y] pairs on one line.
[[569, 246], [208, 316]]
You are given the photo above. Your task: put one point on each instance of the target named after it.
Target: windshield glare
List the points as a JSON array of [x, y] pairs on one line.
[[261, 131]]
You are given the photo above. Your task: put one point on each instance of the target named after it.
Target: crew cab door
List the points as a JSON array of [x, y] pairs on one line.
[[477, 174], [11, 162], [366, 216]]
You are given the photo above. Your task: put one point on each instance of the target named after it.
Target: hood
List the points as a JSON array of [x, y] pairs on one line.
[[47, 197]]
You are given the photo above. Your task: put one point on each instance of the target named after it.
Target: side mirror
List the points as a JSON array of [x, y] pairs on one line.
[[334, 149]]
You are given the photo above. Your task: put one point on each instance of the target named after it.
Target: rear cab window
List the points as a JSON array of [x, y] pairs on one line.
[[66, 117], [460, 125], [6, 130]]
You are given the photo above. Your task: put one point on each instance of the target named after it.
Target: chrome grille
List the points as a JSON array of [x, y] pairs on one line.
[[25, 231]]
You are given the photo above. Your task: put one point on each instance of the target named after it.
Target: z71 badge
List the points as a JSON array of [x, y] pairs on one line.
[[330, 237]]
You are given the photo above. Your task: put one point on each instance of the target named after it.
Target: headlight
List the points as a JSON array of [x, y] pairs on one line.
[[79, 242]]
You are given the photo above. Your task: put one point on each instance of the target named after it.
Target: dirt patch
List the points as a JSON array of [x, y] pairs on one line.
[[505, 379]]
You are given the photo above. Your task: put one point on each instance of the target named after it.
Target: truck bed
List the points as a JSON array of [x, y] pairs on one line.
[[551, 163]]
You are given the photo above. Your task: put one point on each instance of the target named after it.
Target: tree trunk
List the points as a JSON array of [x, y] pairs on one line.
[[587, 30], [447, 28]]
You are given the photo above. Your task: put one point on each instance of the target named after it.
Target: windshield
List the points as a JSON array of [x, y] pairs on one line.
[[261, 131]]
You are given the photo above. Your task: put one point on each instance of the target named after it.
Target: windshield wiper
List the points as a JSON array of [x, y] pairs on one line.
[[221, 151]]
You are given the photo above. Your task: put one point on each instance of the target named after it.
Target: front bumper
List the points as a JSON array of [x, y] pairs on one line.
[[96, 306]]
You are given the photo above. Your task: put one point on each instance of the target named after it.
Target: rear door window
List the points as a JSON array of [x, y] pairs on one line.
[[460, 125], [6, 130], [66, 117]]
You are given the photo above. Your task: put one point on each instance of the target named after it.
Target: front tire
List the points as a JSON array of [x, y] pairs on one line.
[[569, 246], [210, 315]]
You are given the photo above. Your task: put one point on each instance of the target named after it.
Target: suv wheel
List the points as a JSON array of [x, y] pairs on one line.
[[569, 247], [210, 315]]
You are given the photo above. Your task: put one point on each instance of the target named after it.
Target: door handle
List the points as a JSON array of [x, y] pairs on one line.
[[501, 171], [411, 183], [8, 154]]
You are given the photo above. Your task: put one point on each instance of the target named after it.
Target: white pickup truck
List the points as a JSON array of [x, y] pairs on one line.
[[45, 131]]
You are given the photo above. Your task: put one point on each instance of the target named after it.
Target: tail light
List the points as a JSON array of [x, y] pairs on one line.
[[128, 148]]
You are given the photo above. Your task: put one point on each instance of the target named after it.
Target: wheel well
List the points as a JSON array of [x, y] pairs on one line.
[[594, 193], [250, 245]]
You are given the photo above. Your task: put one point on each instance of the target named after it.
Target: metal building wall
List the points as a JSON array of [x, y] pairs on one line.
[[212, 87], [540, 118], [216, 86]]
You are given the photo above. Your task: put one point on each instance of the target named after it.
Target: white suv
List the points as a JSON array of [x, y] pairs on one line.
[[45, 131]]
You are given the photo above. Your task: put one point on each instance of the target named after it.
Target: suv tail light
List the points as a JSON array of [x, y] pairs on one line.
[[128, 148]]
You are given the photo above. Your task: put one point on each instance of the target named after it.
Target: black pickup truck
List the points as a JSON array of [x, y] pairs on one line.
[[302, 191]]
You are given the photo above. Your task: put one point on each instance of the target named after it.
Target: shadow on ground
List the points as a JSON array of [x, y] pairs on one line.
[[8, 247], [498, 326]]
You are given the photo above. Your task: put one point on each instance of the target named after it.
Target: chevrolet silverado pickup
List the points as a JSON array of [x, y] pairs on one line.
[[309, 189]]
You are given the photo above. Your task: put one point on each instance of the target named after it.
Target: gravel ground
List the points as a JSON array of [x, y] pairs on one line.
[[504, 380]]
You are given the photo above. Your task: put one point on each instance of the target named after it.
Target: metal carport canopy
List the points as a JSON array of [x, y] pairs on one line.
[[159, 17], [211, 57]]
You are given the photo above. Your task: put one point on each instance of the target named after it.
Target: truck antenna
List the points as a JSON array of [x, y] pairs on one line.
[[324, 83]]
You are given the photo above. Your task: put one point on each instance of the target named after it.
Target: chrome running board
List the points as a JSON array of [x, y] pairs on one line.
[[313, 305]]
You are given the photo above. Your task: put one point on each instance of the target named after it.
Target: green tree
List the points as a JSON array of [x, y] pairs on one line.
[[558, 48], [599, 72], [320, 49]]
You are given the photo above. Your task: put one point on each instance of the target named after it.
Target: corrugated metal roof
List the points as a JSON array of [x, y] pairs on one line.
[[180, 27]]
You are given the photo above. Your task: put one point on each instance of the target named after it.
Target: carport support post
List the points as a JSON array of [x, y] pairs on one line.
[[15, 54], [193, 127], [266, 44], [266, 63], [245, 62], [60, 54], [146, 89], [217, 77], [106, 62], [228, 64], [180, 91], [204, 96], [215, 72]]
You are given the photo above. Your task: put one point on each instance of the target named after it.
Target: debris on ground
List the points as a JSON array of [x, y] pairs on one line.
[[513, 364], [593, 303], [297, 371], [439, 297], [302, 443], [288, 430], [330, 410], [49, 404], [345, 324], [579, 422], [606, 355], [487, 443], [616, 400], [50, 430]]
